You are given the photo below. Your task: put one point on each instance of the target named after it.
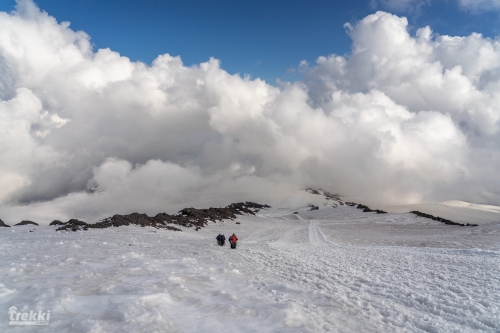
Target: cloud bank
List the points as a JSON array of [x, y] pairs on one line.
[[87, 133]]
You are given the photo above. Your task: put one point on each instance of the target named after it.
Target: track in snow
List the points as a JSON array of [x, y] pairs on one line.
[[282, 278], [315, 234]]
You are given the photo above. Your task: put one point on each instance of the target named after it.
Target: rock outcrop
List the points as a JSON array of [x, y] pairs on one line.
[[312, 207], [188, 217], [2, 224], [26, 222], [442, 220], [366, 209], [73, 225]]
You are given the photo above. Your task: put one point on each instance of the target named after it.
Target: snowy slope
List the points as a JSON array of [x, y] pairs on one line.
[[458, 211], [335, 269], [456, 203]]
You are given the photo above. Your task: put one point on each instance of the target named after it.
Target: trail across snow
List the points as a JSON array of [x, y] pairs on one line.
[[289, 274], [315, 234]]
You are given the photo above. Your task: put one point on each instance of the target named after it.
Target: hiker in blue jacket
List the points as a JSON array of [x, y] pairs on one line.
[[221, 239]]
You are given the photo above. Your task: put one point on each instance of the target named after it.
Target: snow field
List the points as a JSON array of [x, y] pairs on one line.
[[289, 274]]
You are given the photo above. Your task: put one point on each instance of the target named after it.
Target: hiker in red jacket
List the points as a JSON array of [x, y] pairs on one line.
[[233, 239]]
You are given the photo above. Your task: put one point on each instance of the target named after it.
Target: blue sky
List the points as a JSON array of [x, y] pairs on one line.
[[260, 38]]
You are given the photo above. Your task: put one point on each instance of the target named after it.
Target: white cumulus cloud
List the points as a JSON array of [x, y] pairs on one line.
[[89, 133]]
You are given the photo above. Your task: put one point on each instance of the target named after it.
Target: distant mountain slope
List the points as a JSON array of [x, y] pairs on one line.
[[459, 211]]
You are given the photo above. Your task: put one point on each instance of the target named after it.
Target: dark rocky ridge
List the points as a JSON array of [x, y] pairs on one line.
[[336, 197], [26, 222], [368, 210], [188, 217], [312, 191], [429, 216], [2, 224], [327, 195], [313, 207], [440, 219], [72, 224]]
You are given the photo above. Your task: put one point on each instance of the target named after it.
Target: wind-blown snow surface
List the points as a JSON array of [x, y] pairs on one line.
[[332, 270]]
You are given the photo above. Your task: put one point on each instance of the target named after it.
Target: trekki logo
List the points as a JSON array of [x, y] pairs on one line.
[[28, 318]]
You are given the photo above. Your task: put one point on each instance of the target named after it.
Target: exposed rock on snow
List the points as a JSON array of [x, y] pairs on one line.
[[246, 207], [188, 217], [201, 216], [159, 221], [313, 207], [327, 195], [26, 222], [116, 221], [440, 219], [2, 224], [366, 209], [329, 270], [312, 191], [73, 225]]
